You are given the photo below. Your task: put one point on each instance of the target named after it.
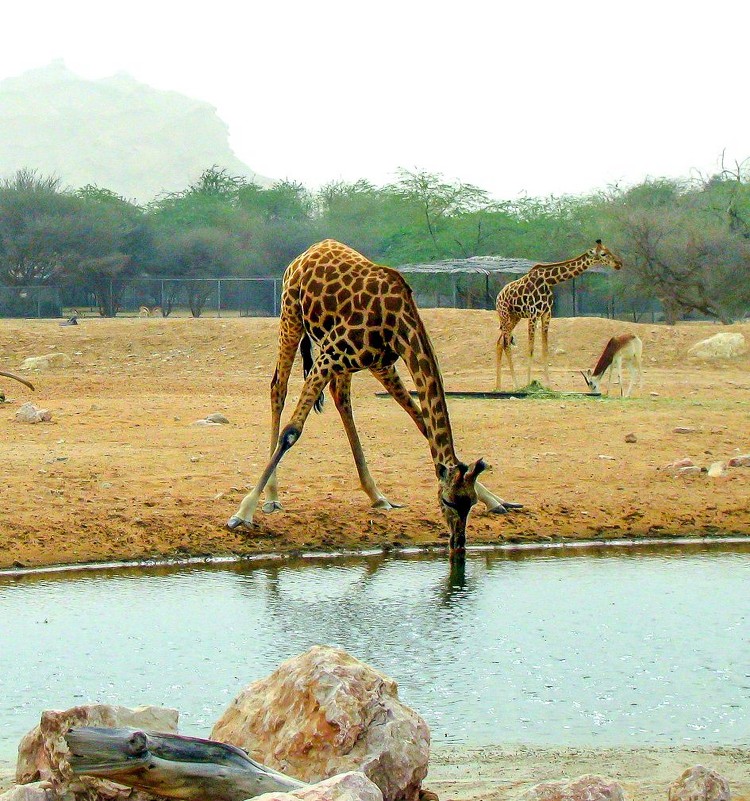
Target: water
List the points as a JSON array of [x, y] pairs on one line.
[[613, 647]]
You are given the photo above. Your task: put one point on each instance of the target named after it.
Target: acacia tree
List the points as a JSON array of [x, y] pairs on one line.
[[35, 217], [681, 252]]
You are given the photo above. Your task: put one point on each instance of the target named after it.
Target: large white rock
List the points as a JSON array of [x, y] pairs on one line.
[[699, 784], [720, 346], [585, 788], [352, 786], [325, 712], [43, 752], [46, 362]]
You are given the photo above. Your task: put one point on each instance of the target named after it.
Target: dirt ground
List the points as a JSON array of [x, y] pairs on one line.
[[122, 471]]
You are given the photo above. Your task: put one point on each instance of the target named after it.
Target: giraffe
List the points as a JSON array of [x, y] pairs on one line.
[[531, 296], [362, 315]]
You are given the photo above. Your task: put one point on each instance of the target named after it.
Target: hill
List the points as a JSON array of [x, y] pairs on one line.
[[115, 132]]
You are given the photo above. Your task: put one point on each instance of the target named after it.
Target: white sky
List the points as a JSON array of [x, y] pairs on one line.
[[523, 96]]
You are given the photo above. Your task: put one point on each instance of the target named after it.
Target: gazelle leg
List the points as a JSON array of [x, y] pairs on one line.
[[341, 391], [315, 383]]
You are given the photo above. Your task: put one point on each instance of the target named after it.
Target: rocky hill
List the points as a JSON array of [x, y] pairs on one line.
[[116, 133]]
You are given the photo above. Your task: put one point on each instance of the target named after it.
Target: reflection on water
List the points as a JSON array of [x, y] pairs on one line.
[[605, 647]]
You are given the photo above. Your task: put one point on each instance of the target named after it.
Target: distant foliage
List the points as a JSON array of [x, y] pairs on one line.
[[685, 243]]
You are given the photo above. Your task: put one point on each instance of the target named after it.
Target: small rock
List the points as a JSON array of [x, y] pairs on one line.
[[631, 438], [683, 430], [28, 413], [717, 469], [217, 417], [676, 465], [689, 471], [740, 461], [604, 456], [699, 784], [204, 422], [584, 788], [46, 362]]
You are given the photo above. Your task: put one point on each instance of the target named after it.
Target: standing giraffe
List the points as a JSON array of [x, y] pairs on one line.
[[531, 296], [360, 316]]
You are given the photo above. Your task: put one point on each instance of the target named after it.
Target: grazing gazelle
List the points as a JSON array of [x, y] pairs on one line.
[[621, 348], [17, 378]]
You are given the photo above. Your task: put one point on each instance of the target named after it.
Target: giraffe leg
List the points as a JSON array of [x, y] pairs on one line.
[[532, 331], [545, 347], [315, 383], [391, 380], [341, 392], [499, 348], [289, 338]]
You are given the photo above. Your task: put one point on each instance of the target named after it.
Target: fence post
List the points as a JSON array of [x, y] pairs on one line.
[[275, 298], [218, 298]]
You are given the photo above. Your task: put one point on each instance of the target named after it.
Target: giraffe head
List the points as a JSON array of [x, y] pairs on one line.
[[601, 254], [457, 494]]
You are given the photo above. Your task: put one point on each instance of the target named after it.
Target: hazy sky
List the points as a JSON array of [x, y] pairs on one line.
[[525, 96]]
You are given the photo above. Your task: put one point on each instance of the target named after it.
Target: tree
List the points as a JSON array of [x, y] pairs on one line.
[[108, 243], [194, 256], [35, 215]]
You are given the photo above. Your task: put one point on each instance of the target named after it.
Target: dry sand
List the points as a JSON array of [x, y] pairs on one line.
[[121, 472]]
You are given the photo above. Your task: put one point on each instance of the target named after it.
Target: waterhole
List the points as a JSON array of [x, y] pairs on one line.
[[603, 647]]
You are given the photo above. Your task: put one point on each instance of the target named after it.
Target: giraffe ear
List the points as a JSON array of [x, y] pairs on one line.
[[474, 470]]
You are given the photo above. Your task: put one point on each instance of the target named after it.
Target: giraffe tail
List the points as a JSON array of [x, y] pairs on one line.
[[305, 347]]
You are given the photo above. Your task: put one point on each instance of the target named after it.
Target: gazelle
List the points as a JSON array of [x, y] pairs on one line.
[[145, 311], [17, 378], [621, 348]]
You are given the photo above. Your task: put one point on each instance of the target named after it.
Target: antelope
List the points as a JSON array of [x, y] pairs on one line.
[[144, 311], [17, 378], [621, 348]]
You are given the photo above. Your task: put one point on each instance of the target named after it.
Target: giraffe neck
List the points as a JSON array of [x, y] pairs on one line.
[[417, 351], [559, 271]]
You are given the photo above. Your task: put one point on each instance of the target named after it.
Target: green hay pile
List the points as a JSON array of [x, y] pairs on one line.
[[537, 390]]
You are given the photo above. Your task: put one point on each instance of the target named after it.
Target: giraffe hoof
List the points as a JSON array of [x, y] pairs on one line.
[[509, 505], [384, 503], [235, 522], [271, 506]]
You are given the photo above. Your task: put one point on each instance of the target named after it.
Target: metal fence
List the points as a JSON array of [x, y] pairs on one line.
[[260, 297]]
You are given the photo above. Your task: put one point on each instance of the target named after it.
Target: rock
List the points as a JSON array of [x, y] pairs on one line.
[[631, 438], [673, 467], [739, 461], [37, 791], [204, 421], [351, 786], [717, 469], [699, 784], [584, 788], [719, 346], [683, 430], [46, 362], [28, 413], [694, 470], [42, 751], [217, 417], [325, 712]]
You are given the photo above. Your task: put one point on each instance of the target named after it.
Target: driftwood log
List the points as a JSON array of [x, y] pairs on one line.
[[171, 765], [17, 378]]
